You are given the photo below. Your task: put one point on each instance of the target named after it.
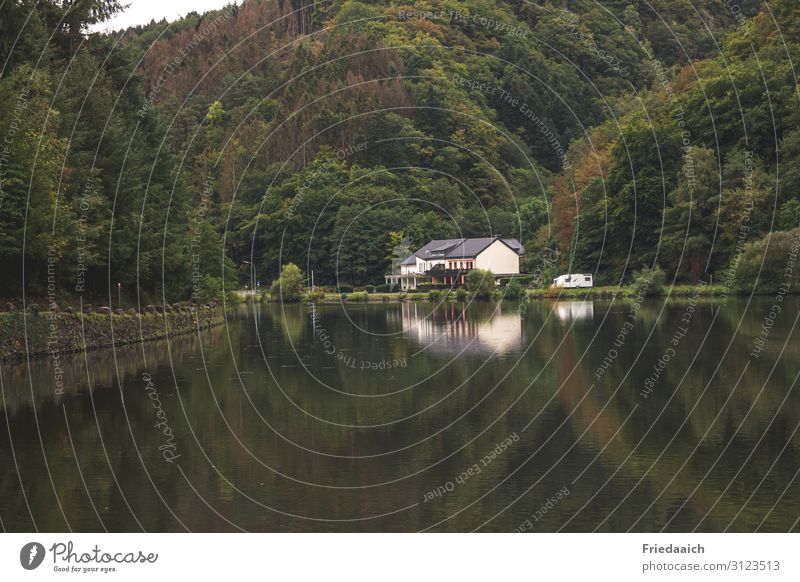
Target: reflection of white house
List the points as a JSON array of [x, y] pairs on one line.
[[574, 310], [445, 262], [455, 329]]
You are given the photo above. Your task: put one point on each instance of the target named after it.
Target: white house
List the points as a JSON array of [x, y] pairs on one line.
[[446, 262]]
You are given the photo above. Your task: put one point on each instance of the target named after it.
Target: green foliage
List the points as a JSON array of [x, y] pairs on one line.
[[358, 297], [210, 289], [789, 216], [480, 283], [769, 265], [314, 296], [691, 176], [502, 156], [690, 220], [163, 165], [639, 167], [435, 295], [649, 281], [461, 294], [232, 299], [215, 113], [514, 290], [289, 286]]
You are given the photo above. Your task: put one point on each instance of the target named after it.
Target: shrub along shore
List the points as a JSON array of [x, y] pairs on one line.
[[35, 333]]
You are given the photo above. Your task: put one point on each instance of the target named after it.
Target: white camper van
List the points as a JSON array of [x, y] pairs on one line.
[[573, 281]]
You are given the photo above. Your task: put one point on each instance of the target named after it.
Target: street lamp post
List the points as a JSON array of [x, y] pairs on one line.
[[251, 273]]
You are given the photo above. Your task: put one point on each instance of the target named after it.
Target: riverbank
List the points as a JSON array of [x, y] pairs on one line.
[[550, 293], [38, 334], [627, 291]]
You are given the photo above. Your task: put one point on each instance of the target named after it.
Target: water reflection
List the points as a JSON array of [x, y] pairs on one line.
[[34, 383], [456, 329], [577, 311], [276, 432]]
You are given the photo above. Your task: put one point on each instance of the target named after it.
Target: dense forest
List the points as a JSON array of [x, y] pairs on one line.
[[623, 134]]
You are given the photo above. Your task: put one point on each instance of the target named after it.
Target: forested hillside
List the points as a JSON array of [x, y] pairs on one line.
[[699, 170], [621, 133]]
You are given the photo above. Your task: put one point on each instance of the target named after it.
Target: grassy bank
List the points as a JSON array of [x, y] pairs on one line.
[[628, 291], [606, 293]]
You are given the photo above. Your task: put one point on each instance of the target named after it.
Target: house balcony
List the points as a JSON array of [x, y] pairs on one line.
[[437, 275], [451, 277]]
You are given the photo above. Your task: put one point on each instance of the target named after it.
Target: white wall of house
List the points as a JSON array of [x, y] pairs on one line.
[[419, 267], [499, 259], [429, 264]]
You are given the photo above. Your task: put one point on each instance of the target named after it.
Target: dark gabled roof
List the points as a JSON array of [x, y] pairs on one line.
[[470, 247], [460, 248], [515, 245], [424, 253], [445, 246], [437, 245]]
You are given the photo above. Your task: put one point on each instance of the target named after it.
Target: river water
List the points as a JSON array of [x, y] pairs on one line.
[[573, 415]]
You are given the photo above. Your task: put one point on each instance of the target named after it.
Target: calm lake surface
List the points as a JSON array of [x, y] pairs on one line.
[[569, 415]]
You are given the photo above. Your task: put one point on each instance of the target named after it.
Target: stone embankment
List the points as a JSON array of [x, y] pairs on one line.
[[37, 333]]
